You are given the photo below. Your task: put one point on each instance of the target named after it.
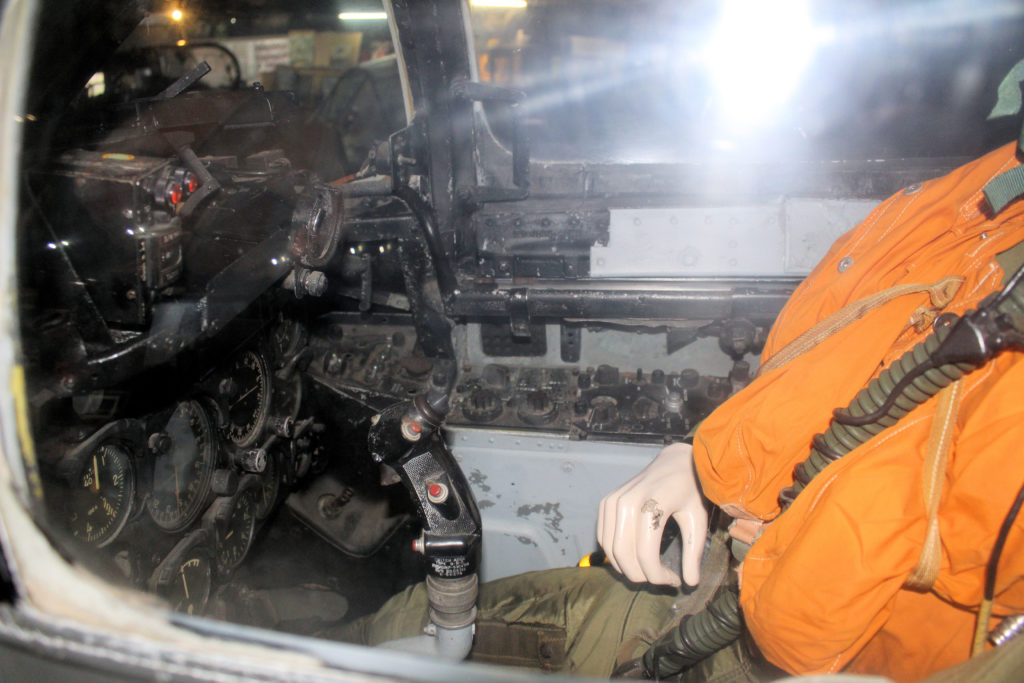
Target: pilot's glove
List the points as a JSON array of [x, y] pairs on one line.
[[632, 518]]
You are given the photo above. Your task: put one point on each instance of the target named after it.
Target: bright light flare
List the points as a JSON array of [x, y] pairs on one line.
[[363, 16], [757, 55], [507, 4], [177, 15]]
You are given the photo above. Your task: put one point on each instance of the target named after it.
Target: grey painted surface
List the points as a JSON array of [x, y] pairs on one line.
[[625, 349], [785, 237], [538, 495]]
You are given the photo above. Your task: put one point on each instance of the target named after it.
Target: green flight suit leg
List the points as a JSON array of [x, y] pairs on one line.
[[571, 620]]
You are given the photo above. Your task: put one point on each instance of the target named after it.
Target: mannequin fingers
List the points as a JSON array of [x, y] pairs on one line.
[[606, 524], [647, 551], [693, 525], [624, 547]]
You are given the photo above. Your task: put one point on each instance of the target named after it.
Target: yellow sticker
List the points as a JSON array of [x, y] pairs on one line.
[[28, 451], [117, 156]]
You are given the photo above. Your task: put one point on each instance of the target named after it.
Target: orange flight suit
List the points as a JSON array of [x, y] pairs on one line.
[[823, 587]]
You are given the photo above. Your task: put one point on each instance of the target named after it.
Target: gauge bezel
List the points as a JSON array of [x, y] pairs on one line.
[[126, 435], [317, 225], [218, 517], [207, 442], [128, 488], [257, 422], [195, 545]]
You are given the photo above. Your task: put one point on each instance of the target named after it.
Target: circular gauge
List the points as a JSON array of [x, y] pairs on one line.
[[270, 487], [102, 495], [286, 339], [181, 475], [232, 521], [249, 401], [185, 576]]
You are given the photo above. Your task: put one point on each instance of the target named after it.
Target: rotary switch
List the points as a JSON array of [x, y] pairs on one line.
[[537, 408], [483, 405], [605, 415]]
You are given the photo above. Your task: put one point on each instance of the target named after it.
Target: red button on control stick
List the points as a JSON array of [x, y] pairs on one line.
[[437, 492]]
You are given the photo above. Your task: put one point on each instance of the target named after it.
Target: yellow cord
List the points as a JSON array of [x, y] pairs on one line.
[[981, 630]]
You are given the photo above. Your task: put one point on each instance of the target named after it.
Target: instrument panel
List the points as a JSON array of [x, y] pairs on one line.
[[174, 498]]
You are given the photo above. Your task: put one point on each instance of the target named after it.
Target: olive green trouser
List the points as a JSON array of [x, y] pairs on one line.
[[578, 621]]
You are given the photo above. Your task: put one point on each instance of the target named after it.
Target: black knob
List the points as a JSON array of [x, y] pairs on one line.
[[483, 405], [740, 371], [537, 408], [607, 375]]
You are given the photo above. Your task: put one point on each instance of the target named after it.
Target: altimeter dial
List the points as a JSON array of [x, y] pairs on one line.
[[102, 495]]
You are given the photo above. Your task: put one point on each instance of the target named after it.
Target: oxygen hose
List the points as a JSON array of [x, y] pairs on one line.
[[697, 636], [955, 348], [946, 355]]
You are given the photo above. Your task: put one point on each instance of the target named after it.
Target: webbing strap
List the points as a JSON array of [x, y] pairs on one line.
[[940, 440], [941, 293], [1005, 187]]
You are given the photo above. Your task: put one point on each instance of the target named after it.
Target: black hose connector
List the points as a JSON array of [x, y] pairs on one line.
[[698, 636]]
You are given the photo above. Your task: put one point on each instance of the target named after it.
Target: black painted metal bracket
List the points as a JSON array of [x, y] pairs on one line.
[[482, 92]]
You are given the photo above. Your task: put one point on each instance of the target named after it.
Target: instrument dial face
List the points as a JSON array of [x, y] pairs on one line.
[[249, 404], [185, 576], [181, 476], [235, 528], [191, 590], [102, 497]]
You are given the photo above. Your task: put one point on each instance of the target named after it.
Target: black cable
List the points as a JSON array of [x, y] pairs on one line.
[[997, 549], [425, 216]]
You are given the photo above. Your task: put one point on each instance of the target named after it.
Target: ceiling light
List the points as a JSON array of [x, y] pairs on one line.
[[177, 15], [362, 16], [508, 4]]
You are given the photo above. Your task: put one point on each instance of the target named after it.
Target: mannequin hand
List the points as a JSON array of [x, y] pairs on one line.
[[632, 518]]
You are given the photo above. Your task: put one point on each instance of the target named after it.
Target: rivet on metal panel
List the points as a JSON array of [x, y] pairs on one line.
[[984, 235], [916, 187], [845, 263]]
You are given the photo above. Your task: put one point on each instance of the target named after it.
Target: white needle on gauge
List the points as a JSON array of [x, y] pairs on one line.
[[242, 397], [185, 584], [95, 476]]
